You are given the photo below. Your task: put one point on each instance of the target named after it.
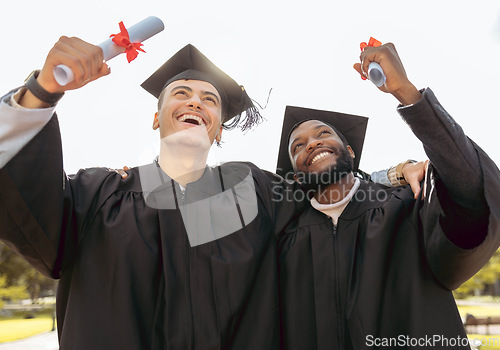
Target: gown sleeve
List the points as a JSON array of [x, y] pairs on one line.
[[284, 200], [460, 212], [43, 212]]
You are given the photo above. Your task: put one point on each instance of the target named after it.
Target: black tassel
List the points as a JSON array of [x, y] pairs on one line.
[[251, 118], [252, 114]]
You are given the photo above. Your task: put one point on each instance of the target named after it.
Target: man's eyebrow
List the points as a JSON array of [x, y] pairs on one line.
[[295, 140], [211, 94], [182, 87], [314, 127]]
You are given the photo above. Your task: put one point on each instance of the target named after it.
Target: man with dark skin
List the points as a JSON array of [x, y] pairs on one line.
[[376, 265]]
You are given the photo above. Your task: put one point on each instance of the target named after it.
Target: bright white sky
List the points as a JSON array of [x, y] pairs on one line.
[[302, 50]]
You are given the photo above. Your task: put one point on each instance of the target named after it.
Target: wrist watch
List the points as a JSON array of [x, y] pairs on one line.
[[39, 92], [395, 173]]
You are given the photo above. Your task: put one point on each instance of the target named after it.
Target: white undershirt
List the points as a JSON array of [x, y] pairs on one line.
[[335, 210]]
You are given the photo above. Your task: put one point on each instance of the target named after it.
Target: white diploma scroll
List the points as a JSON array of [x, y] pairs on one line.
[[376, 74], [139, 32]]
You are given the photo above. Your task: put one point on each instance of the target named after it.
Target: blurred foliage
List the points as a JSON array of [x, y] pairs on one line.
[[16, 275], [484, 279], [15, 292]]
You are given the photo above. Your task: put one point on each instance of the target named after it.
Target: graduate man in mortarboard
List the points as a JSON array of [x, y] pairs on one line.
[[177, 255], [371, 267]]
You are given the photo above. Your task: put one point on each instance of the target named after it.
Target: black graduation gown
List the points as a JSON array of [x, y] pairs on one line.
[[136, 268], [382, 278]]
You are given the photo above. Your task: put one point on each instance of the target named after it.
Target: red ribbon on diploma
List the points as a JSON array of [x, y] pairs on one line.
[[372, 42], [122, 39]]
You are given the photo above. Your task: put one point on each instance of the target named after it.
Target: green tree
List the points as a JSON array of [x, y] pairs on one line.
[[488, 275], [18, 272], [11, 292]]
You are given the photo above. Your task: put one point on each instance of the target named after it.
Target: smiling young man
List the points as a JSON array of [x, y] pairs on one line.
[[190, 113], [313, 149], [177, 255], [376, 265]]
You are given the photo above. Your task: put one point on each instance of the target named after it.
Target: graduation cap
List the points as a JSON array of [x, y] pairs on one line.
[[353, 128], [190, 63]]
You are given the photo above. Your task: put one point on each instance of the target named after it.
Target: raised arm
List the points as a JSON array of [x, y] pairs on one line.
[[451, 153], [461, 211], [41, 208], [84, 59]]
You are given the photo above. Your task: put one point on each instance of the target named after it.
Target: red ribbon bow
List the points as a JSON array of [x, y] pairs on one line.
[[122, 39], [372, 42]]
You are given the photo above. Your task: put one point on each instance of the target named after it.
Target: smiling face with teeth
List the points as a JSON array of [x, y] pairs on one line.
[[316, 148], [188, 104]]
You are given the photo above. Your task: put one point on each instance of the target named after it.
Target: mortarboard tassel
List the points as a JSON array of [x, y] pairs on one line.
[[252, 115], [252, 118]]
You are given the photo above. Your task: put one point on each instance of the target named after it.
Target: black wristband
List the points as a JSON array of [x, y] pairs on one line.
[[39, 92]]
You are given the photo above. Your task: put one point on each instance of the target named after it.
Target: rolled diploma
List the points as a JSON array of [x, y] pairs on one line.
[[139, 32], [376, 74]]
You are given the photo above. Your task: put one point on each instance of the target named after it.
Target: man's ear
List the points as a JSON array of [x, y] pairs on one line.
[[351, 152], [219, 134], [156, 123]]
